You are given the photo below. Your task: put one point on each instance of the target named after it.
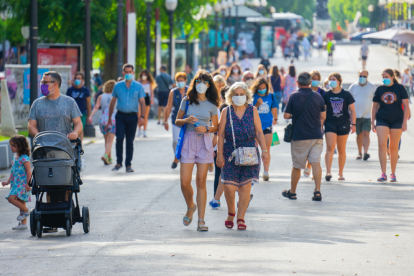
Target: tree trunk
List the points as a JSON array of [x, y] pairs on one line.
[[110, 67]]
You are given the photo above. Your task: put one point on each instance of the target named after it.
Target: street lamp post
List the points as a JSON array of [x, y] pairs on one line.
[[33, 51], [148, 34], [217, 9], [370, 10], [171, 5], [237, 3], [223, 21], [120, 38], [88, 52], [229, 6]]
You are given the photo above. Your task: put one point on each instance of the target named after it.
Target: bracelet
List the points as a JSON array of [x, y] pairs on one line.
[[353, 124], [143, 117], [165, 123], [264, 151]]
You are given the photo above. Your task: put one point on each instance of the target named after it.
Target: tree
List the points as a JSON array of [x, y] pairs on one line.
[[305, 8], [341, 10]]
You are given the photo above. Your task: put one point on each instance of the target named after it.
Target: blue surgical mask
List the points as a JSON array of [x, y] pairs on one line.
[[386, 81], [181, 84], [262, 92], [333, 84], [315, 83], [261, 72], [77, 82], [362, 80], [128, 77]]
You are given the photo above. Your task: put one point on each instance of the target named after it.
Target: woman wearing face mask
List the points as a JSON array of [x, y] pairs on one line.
[[149, 84], [340, 111], [267, 108], [276, 80], [234, 75], [261, 72], [247, 128], [202, 101], [222, 71], [389, 115], [174, 100]]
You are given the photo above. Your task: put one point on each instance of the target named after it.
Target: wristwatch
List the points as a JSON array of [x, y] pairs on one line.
[[353, 124], [208, 129]]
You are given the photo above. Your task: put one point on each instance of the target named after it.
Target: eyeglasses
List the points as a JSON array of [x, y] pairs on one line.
[[45, 82], [202, 81], [249, 79], [362, 76]]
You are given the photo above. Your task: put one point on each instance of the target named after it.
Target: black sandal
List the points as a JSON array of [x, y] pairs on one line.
[[289, 195], [328, 177], [317, 196]]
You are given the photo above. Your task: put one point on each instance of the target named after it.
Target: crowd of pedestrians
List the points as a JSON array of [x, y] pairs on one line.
[[220, 120]]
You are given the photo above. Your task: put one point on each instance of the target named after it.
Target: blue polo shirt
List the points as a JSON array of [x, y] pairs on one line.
[[128, 99]]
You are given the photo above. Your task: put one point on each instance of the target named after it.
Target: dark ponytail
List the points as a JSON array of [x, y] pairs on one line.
[[392, 73]]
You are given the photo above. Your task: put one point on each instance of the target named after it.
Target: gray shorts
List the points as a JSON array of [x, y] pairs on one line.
[[363, 124], [303, 150]]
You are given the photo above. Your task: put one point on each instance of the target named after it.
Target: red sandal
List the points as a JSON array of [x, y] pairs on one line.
[[229, 224], [241, 226]]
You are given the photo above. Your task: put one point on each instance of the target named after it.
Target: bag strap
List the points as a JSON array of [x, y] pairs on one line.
[[164, 81], [300, 113], [232, 130], [186, 106]]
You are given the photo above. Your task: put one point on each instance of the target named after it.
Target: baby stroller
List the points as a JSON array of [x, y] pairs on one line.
[[57, 165]]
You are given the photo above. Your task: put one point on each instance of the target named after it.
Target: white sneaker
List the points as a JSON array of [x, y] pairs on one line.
[[22, 216], [145, 134], [139, 133], [265, 176], [306, 172], [20, 227]]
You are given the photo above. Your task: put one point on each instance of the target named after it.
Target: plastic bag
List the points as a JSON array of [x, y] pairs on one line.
[[275, 139]]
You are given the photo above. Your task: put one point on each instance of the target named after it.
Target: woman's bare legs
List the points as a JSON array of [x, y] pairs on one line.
[[341, 146], [186, 174], [108, 143], [268, 139], [230, 194], [330, 148], [395, 136], [220, 190], [244, 199], [382, 134], [147, 112], [201, 179]]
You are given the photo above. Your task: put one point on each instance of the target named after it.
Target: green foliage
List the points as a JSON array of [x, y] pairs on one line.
[[305, 8], [340, 10]]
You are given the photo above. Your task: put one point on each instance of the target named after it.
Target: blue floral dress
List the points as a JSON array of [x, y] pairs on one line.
[[245, 137], [18, 179]]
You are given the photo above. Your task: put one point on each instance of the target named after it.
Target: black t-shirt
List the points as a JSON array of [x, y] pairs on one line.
[[337, 105], [308, 125], [390, 100]]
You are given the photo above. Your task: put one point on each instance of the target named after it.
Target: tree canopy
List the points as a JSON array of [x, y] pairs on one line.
[[341, 10]]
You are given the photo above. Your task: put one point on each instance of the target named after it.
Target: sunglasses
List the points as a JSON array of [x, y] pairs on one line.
[[45, 82], [249, 79]]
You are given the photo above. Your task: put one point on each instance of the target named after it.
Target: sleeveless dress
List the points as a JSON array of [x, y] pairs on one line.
[[18, 179], [245, 137], [105, 100], [290, 87]]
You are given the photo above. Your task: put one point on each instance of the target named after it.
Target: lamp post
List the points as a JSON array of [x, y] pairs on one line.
[[120, 37], [237, 3], [370, 10], [217, 9], [171, 5], [223, 20], [33, 51], [229, 6], [148, 34], [88, 52]]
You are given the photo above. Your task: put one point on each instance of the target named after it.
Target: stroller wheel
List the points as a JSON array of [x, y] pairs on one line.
[[85, 217], [32, 223], [39, 229], [68, 228]]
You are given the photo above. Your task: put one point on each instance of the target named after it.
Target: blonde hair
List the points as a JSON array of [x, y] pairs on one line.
[[315, 73], [232, 90], [219, 81], [108, 86], [337, 76]]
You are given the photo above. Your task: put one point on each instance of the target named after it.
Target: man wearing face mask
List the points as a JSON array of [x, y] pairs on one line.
[[164, 84], [128, 94], [82, 97], [363, 92], [248, 78]]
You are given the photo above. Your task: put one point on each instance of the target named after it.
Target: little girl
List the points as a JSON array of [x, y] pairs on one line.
[[19, 179]]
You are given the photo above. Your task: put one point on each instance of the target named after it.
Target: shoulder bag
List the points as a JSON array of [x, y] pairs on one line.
[[243, 156], [180, 141], [289, 128]]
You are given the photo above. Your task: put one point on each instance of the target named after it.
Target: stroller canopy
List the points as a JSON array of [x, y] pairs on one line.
[[48, 144]]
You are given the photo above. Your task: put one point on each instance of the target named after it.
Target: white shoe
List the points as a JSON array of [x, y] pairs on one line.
[[139, 133], [306, 172], [265, 176], [145, 134], [20, 227], [22, 216]]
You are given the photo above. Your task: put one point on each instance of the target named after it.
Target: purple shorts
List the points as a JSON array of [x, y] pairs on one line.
[[197, 149]]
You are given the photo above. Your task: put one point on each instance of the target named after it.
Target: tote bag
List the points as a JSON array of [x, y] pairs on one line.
[[180, 141]]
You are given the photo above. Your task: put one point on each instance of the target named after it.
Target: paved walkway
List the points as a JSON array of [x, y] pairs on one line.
[[361, 227]]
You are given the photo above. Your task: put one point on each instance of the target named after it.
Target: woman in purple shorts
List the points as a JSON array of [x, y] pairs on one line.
[[203, 101], [247, 128], [109, 134]]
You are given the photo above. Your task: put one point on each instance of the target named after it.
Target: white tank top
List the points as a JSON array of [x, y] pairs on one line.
[[147, 88]]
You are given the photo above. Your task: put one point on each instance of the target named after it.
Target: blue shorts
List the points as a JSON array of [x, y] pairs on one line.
[[163, 98]]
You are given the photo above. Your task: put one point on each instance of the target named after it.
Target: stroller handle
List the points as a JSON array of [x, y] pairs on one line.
[[77, 140]]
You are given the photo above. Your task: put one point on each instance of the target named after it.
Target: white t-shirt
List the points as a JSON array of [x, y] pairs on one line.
[[363, 96], [147, 88], [320, 39], [405, 80]]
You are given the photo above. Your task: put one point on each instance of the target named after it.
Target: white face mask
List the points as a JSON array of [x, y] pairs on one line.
[[249, 82], [201, 88], [143, 77], [239, 100], [235, 71], [223, 73]]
